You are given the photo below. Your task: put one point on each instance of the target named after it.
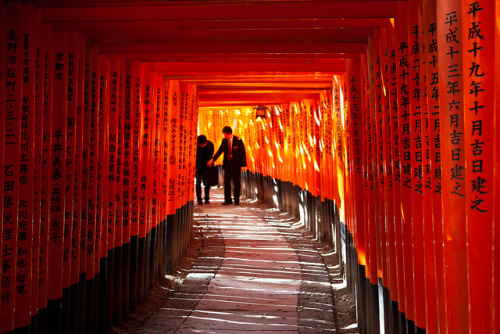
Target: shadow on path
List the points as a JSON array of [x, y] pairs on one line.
[[250, 271]]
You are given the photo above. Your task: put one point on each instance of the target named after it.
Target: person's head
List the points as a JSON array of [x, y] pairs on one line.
[[227, 132], [202, 140]]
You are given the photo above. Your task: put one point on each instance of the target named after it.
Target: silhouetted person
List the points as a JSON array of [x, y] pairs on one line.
[[234, 159], [204, 153]]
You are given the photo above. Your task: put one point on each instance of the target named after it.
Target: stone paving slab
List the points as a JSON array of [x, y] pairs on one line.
[[241, 320]]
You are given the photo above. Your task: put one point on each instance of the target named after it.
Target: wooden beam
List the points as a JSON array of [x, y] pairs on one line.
[[208, 48], [215, 67], [220, 11]]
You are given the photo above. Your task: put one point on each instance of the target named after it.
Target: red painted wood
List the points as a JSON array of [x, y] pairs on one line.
[[24, 278], [126, 48], [478, 34], [222, 11], [58, 264], [418, 125], [92, 27], [11, 120], [449, 17]]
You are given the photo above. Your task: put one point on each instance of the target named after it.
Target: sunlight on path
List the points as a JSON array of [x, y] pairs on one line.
[[257, 285], [248, 279]]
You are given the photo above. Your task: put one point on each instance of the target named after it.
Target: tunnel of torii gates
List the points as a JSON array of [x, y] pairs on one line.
[[378, 131]]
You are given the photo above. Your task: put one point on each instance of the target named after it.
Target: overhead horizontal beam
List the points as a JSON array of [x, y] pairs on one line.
[[228, 85], [219, 36], [146, 11], [240, 57], [206, 48], [177, 67], [234, 25]]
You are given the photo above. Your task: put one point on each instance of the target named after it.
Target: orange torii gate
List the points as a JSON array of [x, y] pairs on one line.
[[389, 150]]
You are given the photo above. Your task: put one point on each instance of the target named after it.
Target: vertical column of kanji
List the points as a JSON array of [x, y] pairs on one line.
[[37, 166], [119, 221], [79, 227], [179, 111], [394, 171], [192, 143], [11, 171], [323, 177], [298, 145], [193, 116], [86, 77], [71, 227], [496, 163], [113, 201], [26, 174], [46, 156], [92, 222], [157, 259], [337, 144], [164, 147], [57, 165], [386, 148], [405, 145], [127, 184], [347, 147], [478, 24], [353, 78], [364, 257], [312, 140], [380, 212], [290, 134], [155, 150], [172, 194], [434, 280], [135, 281], [449, 25], [329, 142], [429, 273], [372, 181], [416, 136], [3, 71], [317, 148], [136, 141], [181, 176], [146, 113], [146, 117], [102, 170], [159, 176]]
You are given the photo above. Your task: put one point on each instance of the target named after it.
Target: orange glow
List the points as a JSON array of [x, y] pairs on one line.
[[362, 258]]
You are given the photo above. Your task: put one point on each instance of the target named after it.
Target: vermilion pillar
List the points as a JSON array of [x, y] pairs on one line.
[[450, 53], [478, 51]]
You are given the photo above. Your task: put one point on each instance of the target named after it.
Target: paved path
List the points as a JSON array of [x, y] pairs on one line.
[[255, 275]]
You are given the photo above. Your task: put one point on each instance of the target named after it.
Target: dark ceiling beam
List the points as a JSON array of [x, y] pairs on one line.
[[332, 35], [234, 25], [146, 11], [318, 58]]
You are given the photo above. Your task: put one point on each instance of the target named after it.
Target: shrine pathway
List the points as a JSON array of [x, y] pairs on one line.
[[255, 274]]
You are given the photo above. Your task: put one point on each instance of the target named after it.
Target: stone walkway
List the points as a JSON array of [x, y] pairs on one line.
[[255, 274]]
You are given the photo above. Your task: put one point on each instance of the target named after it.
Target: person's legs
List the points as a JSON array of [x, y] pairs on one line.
[[207, 194], [198, 187], [237, 185], [227, 184]]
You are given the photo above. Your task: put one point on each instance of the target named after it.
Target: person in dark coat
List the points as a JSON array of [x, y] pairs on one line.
[[204, 153], [234, 159]]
